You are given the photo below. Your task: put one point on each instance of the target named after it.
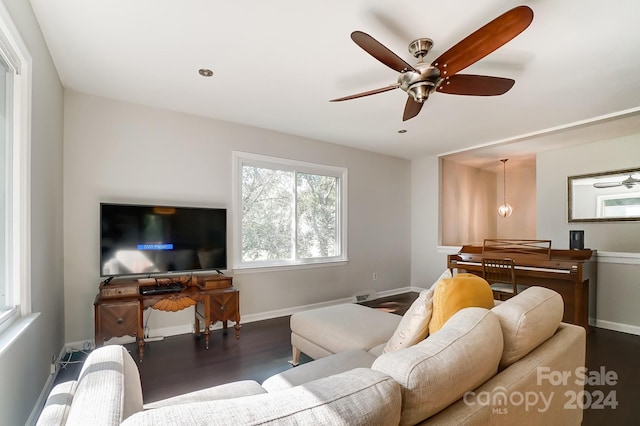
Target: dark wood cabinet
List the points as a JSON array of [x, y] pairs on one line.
[[119, 306]]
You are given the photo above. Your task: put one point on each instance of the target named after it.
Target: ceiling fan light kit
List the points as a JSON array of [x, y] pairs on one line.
[[421, 80]]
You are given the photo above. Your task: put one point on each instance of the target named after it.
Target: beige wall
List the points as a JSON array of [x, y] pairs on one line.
[[470, 198], [120, 152], [522, 195]]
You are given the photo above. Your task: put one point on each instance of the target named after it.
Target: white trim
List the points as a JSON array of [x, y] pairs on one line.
[[19, 198], [550, 130], [616, 326], [249, 269], [449, 249], [618, 257], [15, 330], [238, 159], [245, 319]]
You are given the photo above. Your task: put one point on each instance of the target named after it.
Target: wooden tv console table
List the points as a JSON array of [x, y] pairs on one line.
[[120, 304]]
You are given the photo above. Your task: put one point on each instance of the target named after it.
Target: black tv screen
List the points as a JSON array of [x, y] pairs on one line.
[[137, 239]]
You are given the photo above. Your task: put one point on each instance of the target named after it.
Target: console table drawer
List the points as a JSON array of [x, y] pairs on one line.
[[116, 320], [224, 306], [119, 291]]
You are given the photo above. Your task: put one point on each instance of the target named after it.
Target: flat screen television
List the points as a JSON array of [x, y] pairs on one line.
[[146, 240]]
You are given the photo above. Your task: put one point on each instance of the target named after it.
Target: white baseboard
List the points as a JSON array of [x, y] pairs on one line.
[[616, 326], [248, 318]]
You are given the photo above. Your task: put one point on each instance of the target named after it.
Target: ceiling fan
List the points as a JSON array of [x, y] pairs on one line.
[[421, 80], [629, 183]]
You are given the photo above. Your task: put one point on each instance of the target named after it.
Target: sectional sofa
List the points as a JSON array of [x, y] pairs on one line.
[[484, 366]]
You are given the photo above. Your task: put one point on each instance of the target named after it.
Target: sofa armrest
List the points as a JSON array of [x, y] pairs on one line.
[[56, 409], [358, 397], [109, 388], [225, 391]]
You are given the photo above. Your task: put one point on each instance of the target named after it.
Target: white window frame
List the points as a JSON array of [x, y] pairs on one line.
[[242, 158], [18, 200], [601, 199]]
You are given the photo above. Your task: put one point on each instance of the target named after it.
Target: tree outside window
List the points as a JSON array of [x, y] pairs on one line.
[[290, 212]]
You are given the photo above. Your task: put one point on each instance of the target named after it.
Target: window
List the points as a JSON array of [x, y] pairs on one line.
[[618, 205], [15, 113], [288, 212]]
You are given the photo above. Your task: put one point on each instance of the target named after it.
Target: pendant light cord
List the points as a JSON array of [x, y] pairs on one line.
[[504, 181]]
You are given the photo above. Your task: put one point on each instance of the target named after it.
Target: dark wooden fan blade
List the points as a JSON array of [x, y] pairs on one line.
[[475, 85], [411, 109], [367, 93], [484, 41], [376, 49]]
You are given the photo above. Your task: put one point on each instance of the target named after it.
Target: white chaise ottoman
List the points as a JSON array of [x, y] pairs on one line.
[[326, 331]]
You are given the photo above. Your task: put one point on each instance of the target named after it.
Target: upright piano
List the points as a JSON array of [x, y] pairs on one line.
[[572, 273]]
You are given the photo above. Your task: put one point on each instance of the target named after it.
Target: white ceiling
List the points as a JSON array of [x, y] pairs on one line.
[[277, 63]]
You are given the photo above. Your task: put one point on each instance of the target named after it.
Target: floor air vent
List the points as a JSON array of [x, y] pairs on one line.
[[365, 296]]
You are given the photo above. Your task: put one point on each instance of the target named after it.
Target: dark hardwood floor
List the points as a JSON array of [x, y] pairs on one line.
[[180, 364]]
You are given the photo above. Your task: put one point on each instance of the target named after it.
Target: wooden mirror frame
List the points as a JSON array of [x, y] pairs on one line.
[[598, 200]]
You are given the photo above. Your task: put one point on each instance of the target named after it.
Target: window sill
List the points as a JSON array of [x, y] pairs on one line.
[[275, 268], [14, 330]]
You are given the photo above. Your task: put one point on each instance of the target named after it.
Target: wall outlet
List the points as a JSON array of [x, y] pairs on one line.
[[375, 276], [53, 368]]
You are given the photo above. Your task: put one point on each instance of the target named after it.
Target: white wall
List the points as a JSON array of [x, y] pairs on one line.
[[427, 262], [553, 169], [116, 151], [618, 243], [24, 367]]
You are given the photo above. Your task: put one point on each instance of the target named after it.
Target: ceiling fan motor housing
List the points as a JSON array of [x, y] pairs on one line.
[[420, 85]]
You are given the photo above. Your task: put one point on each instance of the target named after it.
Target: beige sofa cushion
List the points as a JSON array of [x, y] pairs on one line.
[[108, 389], [319, 368], [357, 397], [223, 391], [439, 370], [414, 326], [527, 320]]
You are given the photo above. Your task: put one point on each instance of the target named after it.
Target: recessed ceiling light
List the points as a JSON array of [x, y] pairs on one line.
[[205, 72], [402, 131]]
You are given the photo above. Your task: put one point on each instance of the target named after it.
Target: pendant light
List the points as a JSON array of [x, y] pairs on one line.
[[505, 209]]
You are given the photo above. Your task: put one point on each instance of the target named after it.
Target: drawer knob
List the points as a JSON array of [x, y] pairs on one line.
[[119, 321], [223, 308]]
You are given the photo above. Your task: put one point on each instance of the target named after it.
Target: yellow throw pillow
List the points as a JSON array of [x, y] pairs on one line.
[[452, 294]]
